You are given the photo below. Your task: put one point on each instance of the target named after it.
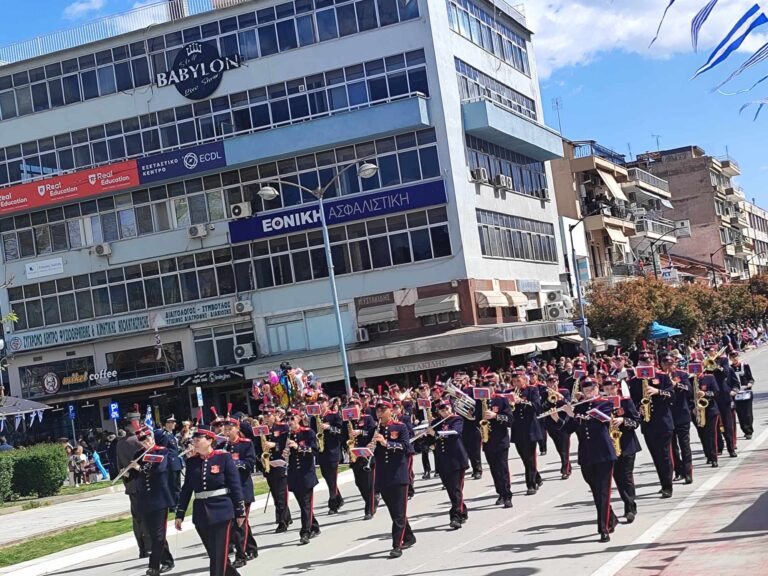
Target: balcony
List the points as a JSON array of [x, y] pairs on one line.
[[643, 182], [656, 229], [735, 194], [500, 125], [729, 166], [592, 148]]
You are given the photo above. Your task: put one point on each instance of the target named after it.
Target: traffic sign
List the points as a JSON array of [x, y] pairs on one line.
[[71, 408], [114, 411], [578, 322], [586, 346], [199, 392]]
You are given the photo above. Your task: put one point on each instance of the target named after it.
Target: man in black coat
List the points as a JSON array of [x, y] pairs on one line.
[[743, 398], [496, 449], [561, 438], [445, 432], [526, 429], [728, 385], [330, 425], [682, 405], [127, 448], [301, 444]]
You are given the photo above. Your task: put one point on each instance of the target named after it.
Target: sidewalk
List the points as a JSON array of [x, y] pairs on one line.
[[26, 524]]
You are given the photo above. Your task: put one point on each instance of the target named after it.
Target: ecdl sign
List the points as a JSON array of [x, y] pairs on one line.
[[182, 163], [338, 211]]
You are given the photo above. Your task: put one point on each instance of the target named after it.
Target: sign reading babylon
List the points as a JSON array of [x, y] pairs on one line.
[[197, 70]]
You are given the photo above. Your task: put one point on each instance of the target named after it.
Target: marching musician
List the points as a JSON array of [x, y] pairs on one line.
[[709, 390], [363, 468], [596, 453], [658, 430], [728, 384], [470, 435], [560, 438], [423, 415], [526, 431], [445, 433], [682, 407], [743, 400], [541, 386], [391, 446], [400, 414], [244, 455], [277, 477], [213, 478], [166, 438], [330, 456], [496, 449], [300, 448], [151, 471], [627, 419]]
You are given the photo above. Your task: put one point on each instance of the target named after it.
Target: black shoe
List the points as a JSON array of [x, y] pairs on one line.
[[499, 500], [709, 461], [689, 480], [167, 567], [290, 522], [477, 475], [748, 436], [395, 553], [367, 516], [332, 511], [152, 572], [543, 453], [426, 476], [678, 477], [408, 543], [239, 563], [605, 537], [463, 519], [251, 556], [455, 524], [304, 540], [508, 503], [539, 482], [733, 454], [630, 516], [666, 493], [715, 464], [315, 532], [565, 476], [530, 492], [281, 528], [340, 504], [143, 554]]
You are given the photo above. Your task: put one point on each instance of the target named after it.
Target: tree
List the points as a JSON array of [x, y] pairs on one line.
[[620, 311]]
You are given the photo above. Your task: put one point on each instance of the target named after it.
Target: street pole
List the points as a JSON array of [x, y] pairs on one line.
[[712, 267], [653, 259], [334, 295], [74, 436], [583, 327]]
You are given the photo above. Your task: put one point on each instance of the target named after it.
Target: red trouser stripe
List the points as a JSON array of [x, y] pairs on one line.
[[405, 517], [226, 549], [608, 511], [311, 509], [247, 526], [461, 500], [373, 489], [733, 421]]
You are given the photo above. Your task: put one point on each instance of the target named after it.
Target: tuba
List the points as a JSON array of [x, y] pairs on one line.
[[462, 403]]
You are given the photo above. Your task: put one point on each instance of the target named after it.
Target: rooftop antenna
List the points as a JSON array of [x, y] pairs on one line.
[[658, 138], [629, 149], [557, 105]]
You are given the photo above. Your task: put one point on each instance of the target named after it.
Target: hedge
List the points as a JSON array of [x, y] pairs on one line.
[[38, 470]]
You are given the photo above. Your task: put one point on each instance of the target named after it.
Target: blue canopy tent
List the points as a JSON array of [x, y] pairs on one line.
[[659, 332]]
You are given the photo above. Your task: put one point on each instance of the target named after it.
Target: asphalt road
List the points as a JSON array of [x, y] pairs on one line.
[[546, 534]]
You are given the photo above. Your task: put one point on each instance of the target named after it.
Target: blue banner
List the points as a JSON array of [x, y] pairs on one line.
[[337, 211], [182, 163]]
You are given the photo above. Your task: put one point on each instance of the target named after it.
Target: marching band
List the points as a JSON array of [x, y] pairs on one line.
[[454, 423]]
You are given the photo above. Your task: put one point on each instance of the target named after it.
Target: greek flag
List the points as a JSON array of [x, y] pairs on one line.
[[756, 58], [698, 22], [753, 18], [662, 21], [760, 105]]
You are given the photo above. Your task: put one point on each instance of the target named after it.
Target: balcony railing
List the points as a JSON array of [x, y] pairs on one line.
[[729, 160], [597, 209], [655, 226], [648, 178], [137, 19], [625, 270], [592, 148]]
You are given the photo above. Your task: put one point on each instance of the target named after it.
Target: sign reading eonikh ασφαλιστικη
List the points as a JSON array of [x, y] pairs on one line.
[[121, 325]]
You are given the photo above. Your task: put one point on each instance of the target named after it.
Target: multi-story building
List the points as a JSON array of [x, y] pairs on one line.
[[703, 193], [757, 231], [143, 263], [621, 207]]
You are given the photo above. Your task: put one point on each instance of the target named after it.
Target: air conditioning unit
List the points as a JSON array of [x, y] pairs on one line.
[[362, 335], [479, 175], [243, 307], [555, 296], [555, 311], [500, 181], [198, 231], [241, 210], [104, 249], [544, 193], [243, 351]]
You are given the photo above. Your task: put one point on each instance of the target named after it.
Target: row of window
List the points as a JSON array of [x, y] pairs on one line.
[[216, 346], [528, 175], [307, 330], [515, 238], [402, 159], [474, 84], [280, 28], [367, 245], [758, 222], [474, 23], [719, 179], [261, 108]]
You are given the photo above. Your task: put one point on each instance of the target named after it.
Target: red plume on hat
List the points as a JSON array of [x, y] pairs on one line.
[[229, 409]]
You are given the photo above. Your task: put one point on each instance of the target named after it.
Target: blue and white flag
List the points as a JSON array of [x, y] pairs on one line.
[[148, 418], [760, 105], [662, 21], [698, 22], [2, 424], [40, 415], [756, 58], [753, 18], [17, 421], [31, 418]]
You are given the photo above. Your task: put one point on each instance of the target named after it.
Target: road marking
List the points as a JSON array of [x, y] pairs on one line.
[[620, 560], [367, 542]]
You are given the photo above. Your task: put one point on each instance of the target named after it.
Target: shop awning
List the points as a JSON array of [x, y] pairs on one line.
[[376, 314], [612, 185], [575, 339], [666, 203], [531, 347], [436, 305], [516, 299], [491, 299], [422, 363], [616, 235]]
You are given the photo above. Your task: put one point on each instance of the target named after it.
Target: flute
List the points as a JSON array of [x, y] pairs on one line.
[[425, 432], [556, 410]]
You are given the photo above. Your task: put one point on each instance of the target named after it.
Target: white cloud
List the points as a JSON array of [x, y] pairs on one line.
[[575, 32], [82, 8]]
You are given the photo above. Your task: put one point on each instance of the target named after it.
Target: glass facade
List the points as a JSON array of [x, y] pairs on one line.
[[298, 100], [515, 238], [258, 34], [474, 85], [529, 175]]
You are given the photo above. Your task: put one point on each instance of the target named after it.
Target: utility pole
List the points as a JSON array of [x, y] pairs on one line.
[[557, 105], [657, 137]]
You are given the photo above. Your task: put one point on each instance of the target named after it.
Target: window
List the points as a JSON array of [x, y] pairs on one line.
[[515, 238], [147, 361], [474, 84], [441, 318], [529, 176], [215, 346]]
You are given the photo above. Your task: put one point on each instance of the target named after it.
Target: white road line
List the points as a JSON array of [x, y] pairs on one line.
[[620, 560], [367, 543]]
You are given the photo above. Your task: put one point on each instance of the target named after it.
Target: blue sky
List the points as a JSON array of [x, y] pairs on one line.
[[594, 55]]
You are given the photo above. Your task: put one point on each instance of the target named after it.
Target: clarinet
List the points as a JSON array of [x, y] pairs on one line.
[[371, 447]]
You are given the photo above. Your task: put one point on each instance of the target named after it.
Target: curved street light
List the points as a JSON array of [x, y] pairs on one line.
[[269, 193]]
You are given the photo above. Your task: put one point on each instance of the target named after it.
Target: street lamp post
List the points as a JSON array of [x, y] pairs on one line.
[[749, 281], [653, 252], [712, 261], [364, 170]]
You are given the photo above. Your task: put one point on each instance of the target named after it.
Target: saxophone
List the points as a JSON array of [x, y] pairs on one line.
[[485, 426], [701, 404], [351, 442], [615, 435], [645, 402], [320, 434], [265, 453]]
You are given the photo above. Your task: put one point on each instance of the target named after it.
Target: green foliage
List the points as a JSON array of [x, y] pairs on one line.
[[6, 475], [39, 469]]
